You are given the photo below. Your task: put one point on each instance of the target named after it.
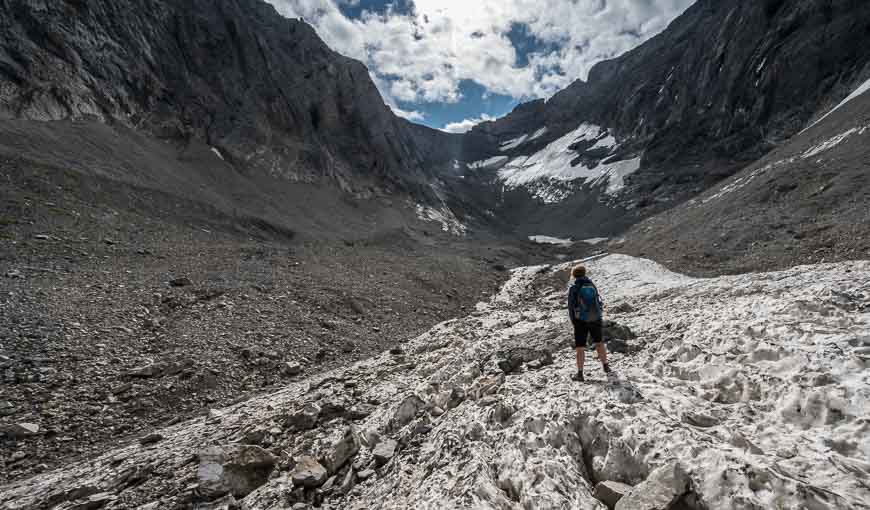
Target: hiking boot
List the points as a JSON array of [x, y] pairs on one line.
[[578, 376], [606, 367]]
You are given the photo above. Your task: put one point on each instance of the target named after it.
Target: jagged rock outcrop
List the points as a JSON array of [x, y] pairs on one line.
[[264, 91], [787, 398], [724, 84]]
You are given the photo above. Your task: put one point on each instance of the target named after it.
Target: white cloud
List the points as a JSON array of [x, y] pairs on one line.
[[424, 55], [413, 116], [466, 125]]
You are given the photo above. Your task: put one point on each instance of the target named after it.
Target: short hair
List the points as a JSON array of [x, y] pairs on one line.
[[578, 272]]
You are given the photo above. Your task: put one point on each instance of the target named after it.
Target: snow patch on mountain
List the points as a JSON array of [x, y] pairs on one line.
[[861, 90], [551, 240], [493, 162], [545, 172], [830, 143], [444, 216], [520, 140]]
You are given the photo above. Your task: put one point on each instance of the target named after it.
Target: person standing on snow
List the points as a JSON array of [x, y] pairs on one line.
[[586, 311]]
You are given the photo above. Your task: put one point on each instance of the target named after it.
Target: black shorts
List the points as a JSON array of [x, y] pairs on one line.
[[583, 330]]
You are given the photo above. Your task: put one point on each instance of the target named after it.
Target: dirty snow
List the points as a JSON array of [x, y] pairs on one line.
[[757, 385], [489, 163], [444, 216], [861, 90], [829, 144], [550, 240], [596, 240]]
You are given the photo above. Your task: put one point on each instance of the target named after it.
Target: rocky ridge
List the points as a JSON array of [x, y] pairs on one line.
[[723, 85], [805, 202], [714, 408], [263, 91]]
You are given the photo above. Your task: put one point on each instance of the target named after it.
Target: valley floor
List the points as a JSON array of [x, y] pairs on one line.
[[746, 391], [116, 319]]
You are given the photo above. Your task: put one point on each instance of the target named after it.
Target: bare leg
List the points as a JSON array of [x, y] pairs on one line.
[[581, 358], [602, 352]]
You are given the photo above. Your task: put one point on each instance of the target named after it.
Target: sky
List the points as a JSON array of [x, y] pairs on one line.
[[450, 64]]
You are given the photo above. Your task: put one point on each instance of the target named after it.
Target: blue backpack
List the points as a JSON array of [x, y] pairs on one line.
[[586, 304]]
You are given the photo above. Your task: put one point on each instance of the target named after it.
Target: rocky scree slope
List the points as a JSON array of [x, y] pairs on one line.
[[724, 84], [805, 202], [124, 309], [738, 392], [263, 90]]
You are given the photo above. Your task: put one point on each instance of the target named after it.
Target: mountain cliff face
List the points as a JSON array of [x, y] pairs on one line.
[[805, 202], [721, 87], [261, 89]]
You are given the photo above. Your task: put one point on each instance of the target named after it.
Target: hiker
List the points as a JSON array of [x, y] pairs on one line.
[[586, 311]]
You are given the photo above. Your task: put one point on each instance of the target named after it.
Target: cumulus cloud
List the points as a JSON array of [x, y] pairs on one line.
[[466, 125], [412, 115], [423, 54]]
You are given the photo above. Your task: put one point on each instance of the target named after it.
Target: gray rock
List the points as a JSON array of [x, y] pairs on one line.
[[21, 429], [304, 419], [621, 308], [327, 487], [662, 488], [342, 451], [699, 419], [93, 501], [6, 408], [609, 492], [233, 469], [384, 451], [617, 345], [147, 371], [308, 473], [151, 438], [291, 368], [406, 411], [180, 282], [227, 502], [14, 273], [513, 359], [347, 483], [614, 330], [365, 474]]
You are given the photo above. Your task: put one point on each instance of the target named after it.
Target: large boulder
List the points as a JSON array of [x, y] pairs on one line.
[[660, 491], [341, 451], [22, 429], [308, 473], [384, 451], [304, 419], [233, 469], [615, 330], [610, 492], [406, 411]]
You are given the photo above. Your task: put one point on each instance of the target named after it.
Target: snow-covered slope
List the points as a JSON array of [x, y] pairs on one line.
[[742, 392], [545, 172]]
